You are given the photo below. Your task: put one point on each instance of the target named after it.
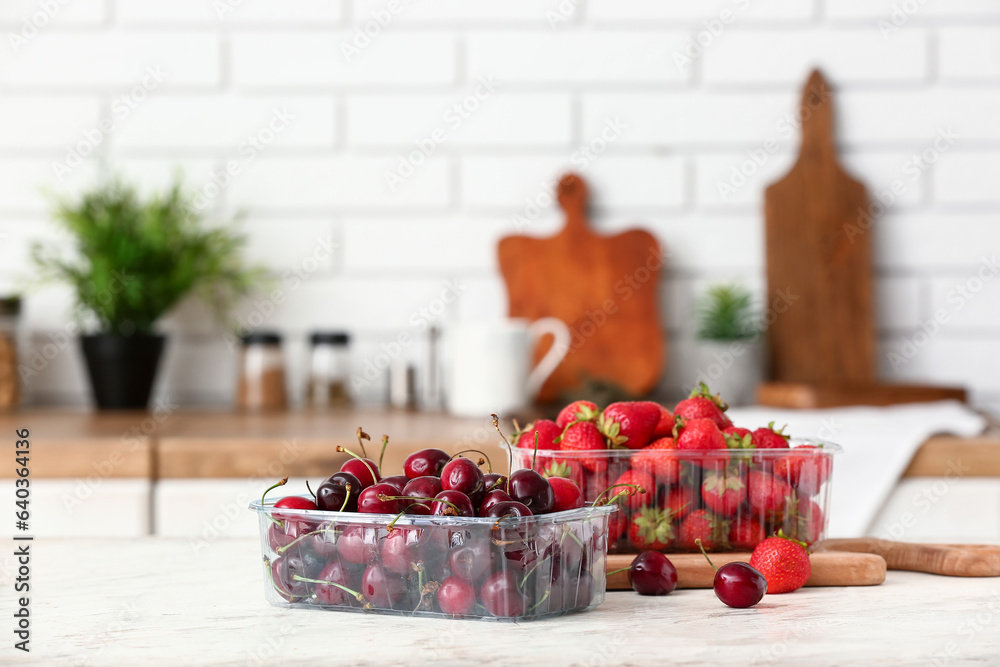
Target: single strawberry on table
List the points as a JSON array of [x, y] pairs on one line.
[[783, 562], [584, 437], [651, 528], [578, 411], [700, 525], [629, 424], [547, 431], [722, 492], [701, 404]]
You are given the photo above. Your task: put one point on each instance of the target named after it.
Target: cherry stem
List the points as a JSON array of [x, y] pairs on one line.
[[281, 550], [704, 553], [392, 524], [347, 497], [621, 569], [636, 489], [309, 489], [362, 436], [497, 483], [535, 454], [477, 451], [451, 505], [357, 596], [510, 451], [345, 449], [385, 443], [263, 495], [544, 598]]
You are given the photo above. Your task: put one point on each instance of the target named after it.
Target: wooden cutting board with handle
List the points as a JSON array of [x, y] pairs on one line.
[[604, 288], [819, 265], [848, 562]]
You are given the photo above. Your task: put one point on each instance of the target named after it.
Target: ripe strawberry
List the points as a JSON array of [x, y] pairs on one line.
[[806, 523], [578, 411], [746, 533], [618, 523], [805, 472], [738, 438], [547, 431], [584, 437], [652, 458], [629, 424], [701, 404], [783, 562], [561, 467], [768, 496], [702, 525], [665, 426], [699, 434], [722, 493], [768, 438], [651, 528], [679, 501], [636, 499]]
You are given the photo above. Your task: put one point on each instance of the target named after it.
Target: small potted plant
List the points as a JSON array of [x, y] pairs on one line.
[[728, 351], [135, 259]]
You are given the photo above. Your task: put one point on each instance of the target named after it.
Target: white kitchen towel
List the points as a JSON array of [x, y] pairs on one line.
[[878, 445]]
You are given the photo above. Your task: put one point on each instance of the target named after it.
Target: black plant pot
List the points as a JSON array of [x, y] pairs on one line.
[[122, 369]]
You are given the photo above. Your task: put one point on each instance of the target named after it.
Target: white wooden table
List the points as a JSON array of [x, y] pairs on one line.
[[155, 601]]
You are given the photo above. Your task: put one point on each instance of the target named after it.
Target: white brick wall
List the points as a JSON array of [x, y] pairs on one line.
[[694, 88]]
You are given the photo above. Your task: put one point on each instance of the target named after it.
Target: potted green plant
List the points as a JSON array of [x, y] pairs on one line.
[[728, 352], [136, 258]]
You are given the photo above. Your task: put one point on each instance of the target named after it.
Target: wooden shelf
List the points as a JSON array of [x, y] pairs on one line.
[[193, 444]]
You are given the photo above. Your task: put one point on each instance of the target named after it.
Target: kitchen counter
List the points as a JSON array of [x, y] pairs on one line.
[[159, 602]]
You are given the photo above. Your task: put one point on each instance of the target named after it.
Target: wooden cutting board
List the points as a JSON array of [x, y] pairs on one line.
[[952, 560], [605, 288], [828, 569], [819, 266]]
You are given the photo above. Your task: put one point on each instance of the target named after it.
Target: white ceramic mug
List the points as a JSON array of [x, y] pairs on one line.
[[490, 364]]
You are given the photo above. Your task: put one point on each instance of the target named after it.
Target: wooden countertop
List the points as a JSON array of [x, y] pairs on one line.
[[198, 444], [154, 601]]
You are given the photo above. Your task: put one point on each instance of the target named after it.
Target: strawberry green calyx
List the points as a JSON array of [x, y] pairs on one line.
[[679, 422], [719, 484], [586, 414], [654, 526], [734, 441], [612, 431], [779, 431], [702, 391], [781, 534], [558, 469]]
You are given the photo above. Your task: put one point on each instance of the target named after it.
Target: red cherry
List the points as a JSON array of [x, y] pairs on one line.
[[462, 474], [739, 585], [382, 588], [652, 573], [456, 597], [369, 501], [501, 596], [425, 462], [293, 503], [364, 469], [492, 498]]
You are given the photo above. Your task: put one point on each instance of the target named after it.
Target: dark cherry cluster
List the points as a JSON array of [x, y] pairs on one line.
[[387, 558]]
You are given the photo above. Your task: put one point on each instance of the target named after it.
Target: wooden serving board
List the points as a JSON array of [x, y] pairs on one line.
[[803, 396], [951, 560], [605, 288], [828, 569], [819, 267]]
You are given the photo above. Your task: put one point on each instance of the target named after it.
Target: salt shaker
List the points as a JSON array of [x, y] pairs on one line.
[[329, 364], [262, 373]]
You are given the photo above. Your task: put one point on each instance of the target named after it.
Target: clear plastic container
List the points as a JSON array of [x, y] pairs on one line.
[[454, 567], [731, 498]]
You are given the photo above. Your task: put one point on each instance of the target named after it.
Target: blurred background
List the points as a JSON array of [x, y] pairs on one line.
[[677, 115], [372, 154]]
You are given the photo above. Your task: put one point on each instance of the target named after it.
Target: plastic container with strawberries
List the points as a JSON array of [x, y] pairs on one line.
[[683, 474]]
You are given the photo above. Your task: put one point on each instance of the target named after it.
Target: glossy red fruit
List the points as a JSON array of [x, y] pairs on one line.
[[508, 508], [460, 505], [530, 488], [806, 468], [578, 411], [548, 431], [292, 503], [364, 469], [656, 460], [617, 526], [768, 495], [420, 487], [462, 474], [333, 494], [399, 550], [738, 438], [700, 434], [643, 496], [456, 597], [680, 501], [701, 525], [336, 573], [629, 424], [702, 404], [652, 573], [425, 462], [369, 501], [770, 438], [783, 562], [381, 588], [568, 496], [472, 560], [739, 585], [665, 426], [492, 498], [398, 481], [745, 532], [585, 437], [561, 467], [358, 544], [805, 523], [500, 595], [723, 493]]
